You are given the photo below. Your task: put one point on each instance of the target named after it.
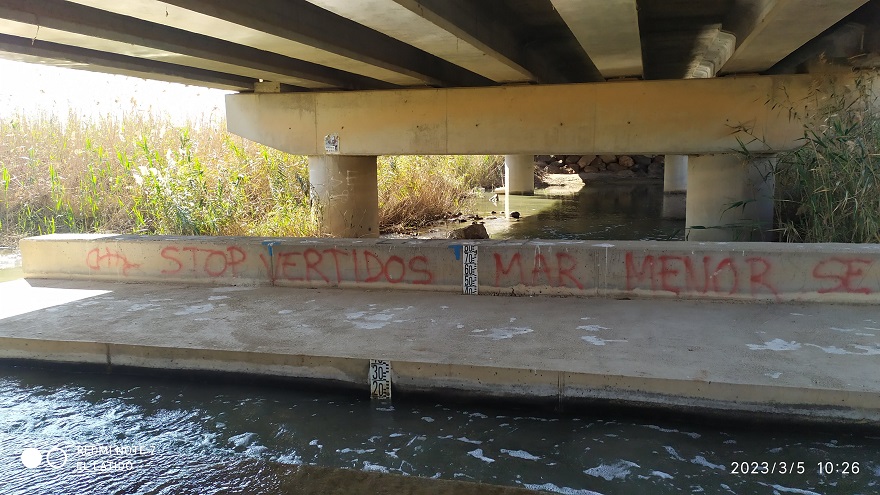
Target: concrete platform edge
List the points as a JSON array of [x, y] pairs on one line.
[[550, 387]]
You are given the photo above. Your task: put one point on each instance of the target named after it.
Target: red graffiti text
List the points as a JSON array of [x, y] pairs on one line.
[[213, 262]]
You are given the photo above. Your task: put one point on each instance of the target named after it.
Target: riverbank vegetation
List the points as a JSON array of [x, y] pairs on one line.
[[829, 189], [142, 174]]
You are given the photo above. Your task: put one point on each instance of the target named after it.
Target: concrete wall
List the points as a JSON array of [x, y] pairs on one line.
[[742, 271]]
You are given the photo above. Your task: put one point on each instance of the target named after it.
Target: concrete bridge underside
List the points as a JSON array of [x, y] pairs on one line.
[[346, 80]]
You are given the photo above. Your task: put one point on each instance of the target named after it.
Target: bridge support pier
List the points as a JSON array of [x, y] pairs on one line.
[[675, 174], [731, 196], [348, 192], [519, 174]]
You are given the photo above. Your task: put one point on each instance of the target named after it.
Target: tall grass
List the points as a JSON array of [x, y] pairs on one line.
[[141, 174], [829, 190], [415, 190]]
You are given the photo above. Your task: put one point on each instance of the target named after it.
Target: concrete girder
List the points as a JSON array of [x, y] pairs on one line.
[[692, 116], [419, 27], [302, 31], [608, 31], [767, 31], [41, 52], [72, 24], [468, 21]]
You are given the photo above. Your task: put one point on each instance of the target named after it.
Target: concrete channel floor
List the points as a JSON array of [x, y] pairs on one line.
[[810, 361]]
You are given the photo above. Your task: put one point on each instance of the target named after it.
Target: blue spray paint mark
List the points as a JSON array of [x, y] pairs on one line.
[[457, 250], [269, 245]]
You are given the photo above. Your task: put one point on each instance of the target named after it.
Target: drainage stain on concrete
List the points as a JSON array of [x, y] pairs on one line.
[[501, 333], [775, 345]]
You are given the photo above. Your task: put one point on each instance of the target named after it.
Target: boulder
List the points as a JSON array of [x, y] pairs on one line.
[[608, 158], [571, 159], [597, 162], [590, 170], [625, 161], [569, 169], [554, 168], [614, 167], [542, 158], [642, 160], [472, 231], [659, 159], [586, 160], [655, 170]]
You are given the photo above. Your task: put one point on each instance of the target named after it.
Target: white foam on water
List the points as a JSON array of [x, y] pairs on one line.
[[478, 453], [369, 466], [702, 461], [785, 489], [231, 289], [356, 451], [564, 490], [672, 430], [520, 454], [661, 474], [673, 453], [618, 470], [468, 440], [285, 312], [427, 419], [217, 298], [775, 345], [773, 375], [243, 439]]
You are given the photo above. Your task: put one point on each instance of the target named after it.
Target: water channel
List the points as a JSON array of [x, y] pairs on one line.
[[101, 433]]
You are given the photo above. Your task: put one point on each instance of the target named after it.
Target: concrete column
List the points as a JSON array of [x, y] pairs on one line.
[[348, 193], [675, 174], [717, 184], [519, 174]]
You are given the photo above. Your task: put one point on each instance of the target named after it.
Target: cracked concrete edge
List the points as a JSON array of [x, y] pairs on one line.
[[552, 387]]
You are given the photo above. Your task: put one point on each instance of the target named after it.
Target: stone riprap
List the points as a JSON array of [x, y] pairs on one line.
[[621, 165], [760, 272]]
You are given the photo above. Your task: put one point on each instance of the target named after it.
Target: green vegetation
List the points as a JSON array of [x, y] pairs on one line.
[[829, 190], [142, 174]]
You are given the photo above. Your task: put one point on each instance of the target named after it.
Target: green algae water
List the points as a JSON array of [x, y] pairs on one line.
[[97, 433]]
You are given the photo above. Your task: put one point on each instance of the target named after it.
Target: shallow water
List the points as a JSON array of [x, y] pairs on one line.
[[126, 434], [599, 211]]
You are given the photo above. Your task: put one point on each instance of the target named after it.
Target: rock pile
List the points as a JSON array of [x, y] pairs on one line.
[[621, 165]]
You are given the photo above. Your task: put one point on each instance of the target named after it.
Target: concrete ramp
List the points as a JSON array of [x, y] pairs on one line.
[[807, 362]]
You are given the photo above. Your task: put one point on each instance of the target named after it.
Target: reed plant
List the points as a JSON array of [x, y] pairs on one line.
[[142, 174], [829, 189]]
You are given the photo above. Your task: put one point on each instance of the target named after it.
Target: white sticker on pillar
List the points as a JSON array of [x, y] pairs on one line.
[[380, 379], [470, 283], [331, 143]]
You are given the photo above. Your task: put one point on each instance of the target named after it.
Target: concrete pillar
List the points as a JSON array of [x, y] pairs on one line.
[[519, 174], [717, 186], [675, 174], [348, 193]]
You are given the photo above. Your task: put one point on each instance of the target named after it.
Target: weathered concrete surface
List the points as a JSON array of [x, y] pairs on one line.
[[762, 272], [806, 361]]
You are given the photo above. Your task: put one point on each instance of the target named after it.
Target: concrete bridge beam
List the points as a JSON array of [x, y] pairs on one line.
[[348, 194], [519, 174], [730, 198]]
